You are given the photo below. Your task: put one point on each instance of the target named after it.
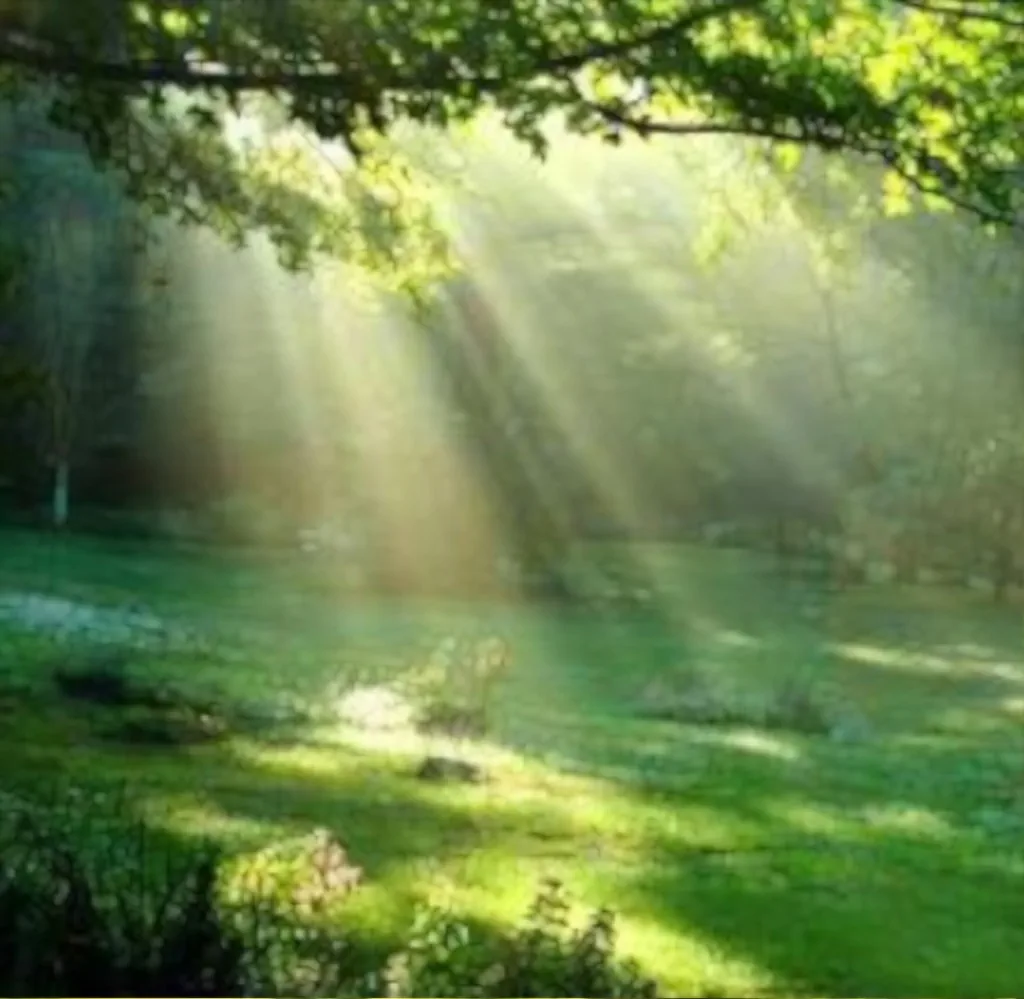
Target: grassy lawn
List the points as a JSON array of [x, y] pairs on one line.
[[742, 862]]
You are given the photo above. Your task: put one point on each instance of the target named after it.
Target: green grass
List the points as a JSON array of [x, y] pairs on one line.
[[741, 862]]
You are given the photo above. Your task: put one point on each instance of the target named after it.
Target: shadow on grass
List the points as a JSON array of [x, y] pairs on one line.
[[888, 912], [889, 868], [896, 919], [834, 870]]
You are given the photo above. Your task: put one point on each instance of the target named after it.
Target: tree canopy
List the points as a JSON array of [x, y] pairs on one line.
[[932, 89]]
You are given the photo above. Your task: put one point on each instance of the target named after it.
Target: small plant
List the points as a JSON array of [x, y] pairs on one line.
[[445, 769], [172, 727], [315, 871], [548, 956], [458, 685], [696, 696], [801, 703], [100, 677]]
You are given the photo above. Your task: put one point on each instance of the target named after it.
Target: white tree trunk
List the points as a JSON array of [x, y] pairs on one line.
[[61, 499]]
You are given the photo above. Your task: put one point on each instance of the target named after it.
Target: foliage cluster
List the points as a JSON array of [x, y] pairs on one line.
[[799, 703], [137, 712], [930, 89], [456, 687], [106, 907]]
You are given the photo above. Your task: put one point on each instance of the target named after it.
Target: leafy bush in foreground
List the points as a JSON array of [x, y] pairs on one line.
[[546, 957], [82, 915]]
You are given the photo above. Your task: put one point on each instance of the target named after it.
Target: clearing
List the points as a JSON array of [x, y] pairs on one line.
[[742, 860]]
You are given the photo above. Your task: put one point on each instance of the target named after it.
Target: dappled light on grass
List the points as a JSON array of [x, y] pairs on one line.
[[1014, 706], [378, 708], [763, 744], [699, 837], [194, 819], [723, 971], [907, 820], [887, 656]]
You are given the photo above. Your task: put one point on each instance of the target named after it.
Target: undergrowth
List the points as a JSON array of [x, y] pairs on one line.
[[111, 908], [799, 703]]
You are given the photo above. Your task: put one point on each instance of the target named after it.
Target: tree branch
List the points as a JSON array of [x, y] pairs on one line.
[[826, 141], [27, 53], [1003, 12]]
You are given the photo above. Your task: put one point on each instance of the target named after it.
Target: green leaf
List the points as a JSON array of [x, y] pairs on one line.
[[788, 156], [896, 195]]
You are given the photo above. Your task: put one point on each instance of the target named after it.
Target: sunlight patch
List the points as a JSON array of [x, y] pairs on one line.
[[907, 819], [762, 744], [737, 639], [309, 761], [1010, 672], [205, 820], [379, 708], [716, 970], [876, 655]]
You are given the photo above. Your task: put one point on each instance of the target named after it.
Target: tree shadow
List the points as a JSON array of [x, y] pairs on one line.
[[895, 919], [864, 856], [837, 870]]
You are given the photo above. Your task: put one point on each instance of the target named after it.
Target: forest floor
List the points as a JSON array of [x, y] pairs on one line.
[[742, 861]]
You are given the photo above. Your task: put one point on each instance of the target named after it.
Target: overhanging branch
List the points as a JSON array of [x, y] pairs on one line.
[[28, 53], [799, 134], [1008, 13]]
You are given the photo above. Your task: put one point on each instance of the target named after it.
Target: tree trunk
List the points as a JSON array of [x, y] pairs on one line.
[[61, 498]]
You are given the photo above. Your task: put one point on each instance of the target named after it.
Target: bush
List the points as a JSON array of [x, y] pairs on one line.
[[546, 957], [64, 935], [146, 714], [456, 689], [92, 907], [800, 703], [142, 919], [168, 727], [698, 696], [100, 677]]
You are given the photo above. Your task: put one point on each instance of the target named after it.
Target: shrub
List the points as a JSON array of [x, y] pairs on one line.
[[311, 871], [143, 714], [698, 696], [62, 935], [181, 726], [456, 689], [89, 907], [546, 957], [801, 703], [100, 677], [142, 919]]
